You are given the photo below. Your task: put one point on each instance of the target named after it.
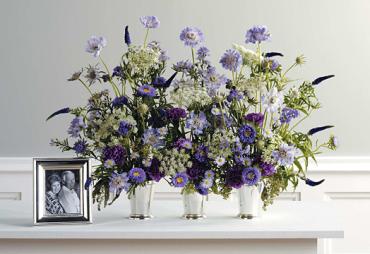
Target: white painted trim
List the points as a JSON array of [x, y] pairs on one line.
[[325, 164]]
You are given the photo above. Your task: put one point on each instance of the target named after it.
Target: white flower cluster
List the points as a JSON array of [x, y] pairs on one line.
[[220, 145], [251, 86], [142, 59], [249, 56], [186, 93], [173, 161]]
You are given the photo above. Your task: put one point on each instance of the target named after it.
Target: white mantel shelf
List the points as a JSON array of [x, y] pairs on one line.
[[286, 220]]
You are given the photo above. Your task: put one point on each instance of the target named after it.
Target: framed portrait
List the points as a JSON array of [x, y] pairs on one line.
[[59, 191]]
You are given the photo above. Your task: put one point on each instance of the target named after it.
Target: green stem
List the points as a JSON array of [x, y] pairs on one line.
[[146, 37], [295, 125], [86, 86], [192, 54], [115, 88], [291, 67]]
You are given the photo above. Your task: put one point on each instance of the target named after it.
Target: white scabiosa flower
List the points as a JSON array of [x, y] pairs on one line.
[[272, 100], [95, 44], [220, 161]]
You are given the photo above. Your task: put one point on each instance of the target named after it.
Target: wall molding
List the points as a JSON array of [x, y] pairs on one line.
[[324, 164]]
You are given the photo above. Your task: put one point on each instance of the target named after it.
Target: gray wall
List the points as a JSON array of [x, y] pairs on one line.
[[42, 43]]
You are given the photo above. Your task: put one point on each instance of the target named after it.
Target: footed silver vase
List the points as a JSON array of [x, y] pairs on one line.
[[140, 202], [250, 202], [193, 206]]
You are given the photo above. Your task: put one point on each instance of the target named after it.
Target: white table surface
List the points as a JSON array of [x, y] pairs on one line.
[[285, 220]]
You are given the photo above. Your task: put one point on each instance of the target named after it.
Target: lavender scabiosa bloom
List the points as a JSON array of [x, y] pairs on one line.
[[201, 190], [234, 177], [207, 183], [124, 128], [150, 22], [163, 57], [180, 179], [137, 175], [287, 114], [95, 44], [116, 153], [267, 169], [76, 126], [256, 118], [234, 95], [209, 174], [119, 101], [257, 34], [197, 122], [109, 163], [251, 176], [284, 156], [183, 66], [247, 134], [160, 82], [213, 81], [146, 91], [80, 146], [153, 138], [92, 74], [184, 143], [192, 36], [231, 60], [118, 182], [202, 53], [201, 153], [273, 100], [175, 114]]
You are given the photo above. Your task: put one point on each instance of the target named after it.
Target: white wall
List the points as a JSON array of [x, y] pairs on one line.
[[42, 43]]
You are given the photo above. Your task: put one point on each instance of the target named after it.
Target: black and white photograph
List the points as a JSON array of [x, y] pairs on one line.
[[59, 194]]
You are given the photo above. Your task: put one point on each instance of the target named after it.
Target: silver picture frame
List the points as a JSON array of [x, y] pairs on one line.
[[48, 207]]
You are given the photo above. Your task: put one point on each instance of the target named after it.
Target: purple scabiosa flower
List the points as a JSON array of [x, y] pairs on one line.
[[76, 126], [191, 36], [116, 153], [160, 82], [223, 121], [175, 114], [183, 66], [153, 171], [195, 171], [234, 177], [153, 138], [202, 53], [109, 163], [247, 134], [124, 128], [119, 101], [207, 183], [146, 91], [197, 122], [202, 191], [201, 153], [251, 175], [150, 22], [163, 57], [234, 95], [284, 156], [231, 60], [80, 146], [183, 143], [118, 72], [213, 81], [209, 174], [256, 118], [257, 34], [137, 175], [95, 44], [287, 114], [241, 158], [118, 182], [180, 179], [267, 169], [105, 78]]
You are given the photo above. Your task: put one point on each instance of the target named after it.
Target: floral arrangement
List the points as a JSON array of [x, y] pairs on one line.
[[197, 129]]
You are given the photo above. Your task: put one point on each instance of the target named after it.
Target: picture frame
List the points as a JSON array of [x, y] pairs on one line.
[[59, 191]]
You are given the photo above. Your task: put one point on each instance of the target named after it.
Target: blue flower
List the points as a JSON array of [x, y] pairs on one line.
[[207, 183], [124, 128], [183, 143], [251, 175], [180, 179], [153, 138], [160, 82], [80, 146], [116, 153], [287, 114], [234, 95], [119, 101], [213, 81], [209, 174], [137, 175], [146, 91], [95, 44], [257, 34], [191, 36], [183, 66], [201, 153], [284, 156], [231, 60], [202, 53], [267, 169], [197, 122], [76, 126], [118, 182], [150, 21], [118, 72], [109, 163], [247, 134]]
